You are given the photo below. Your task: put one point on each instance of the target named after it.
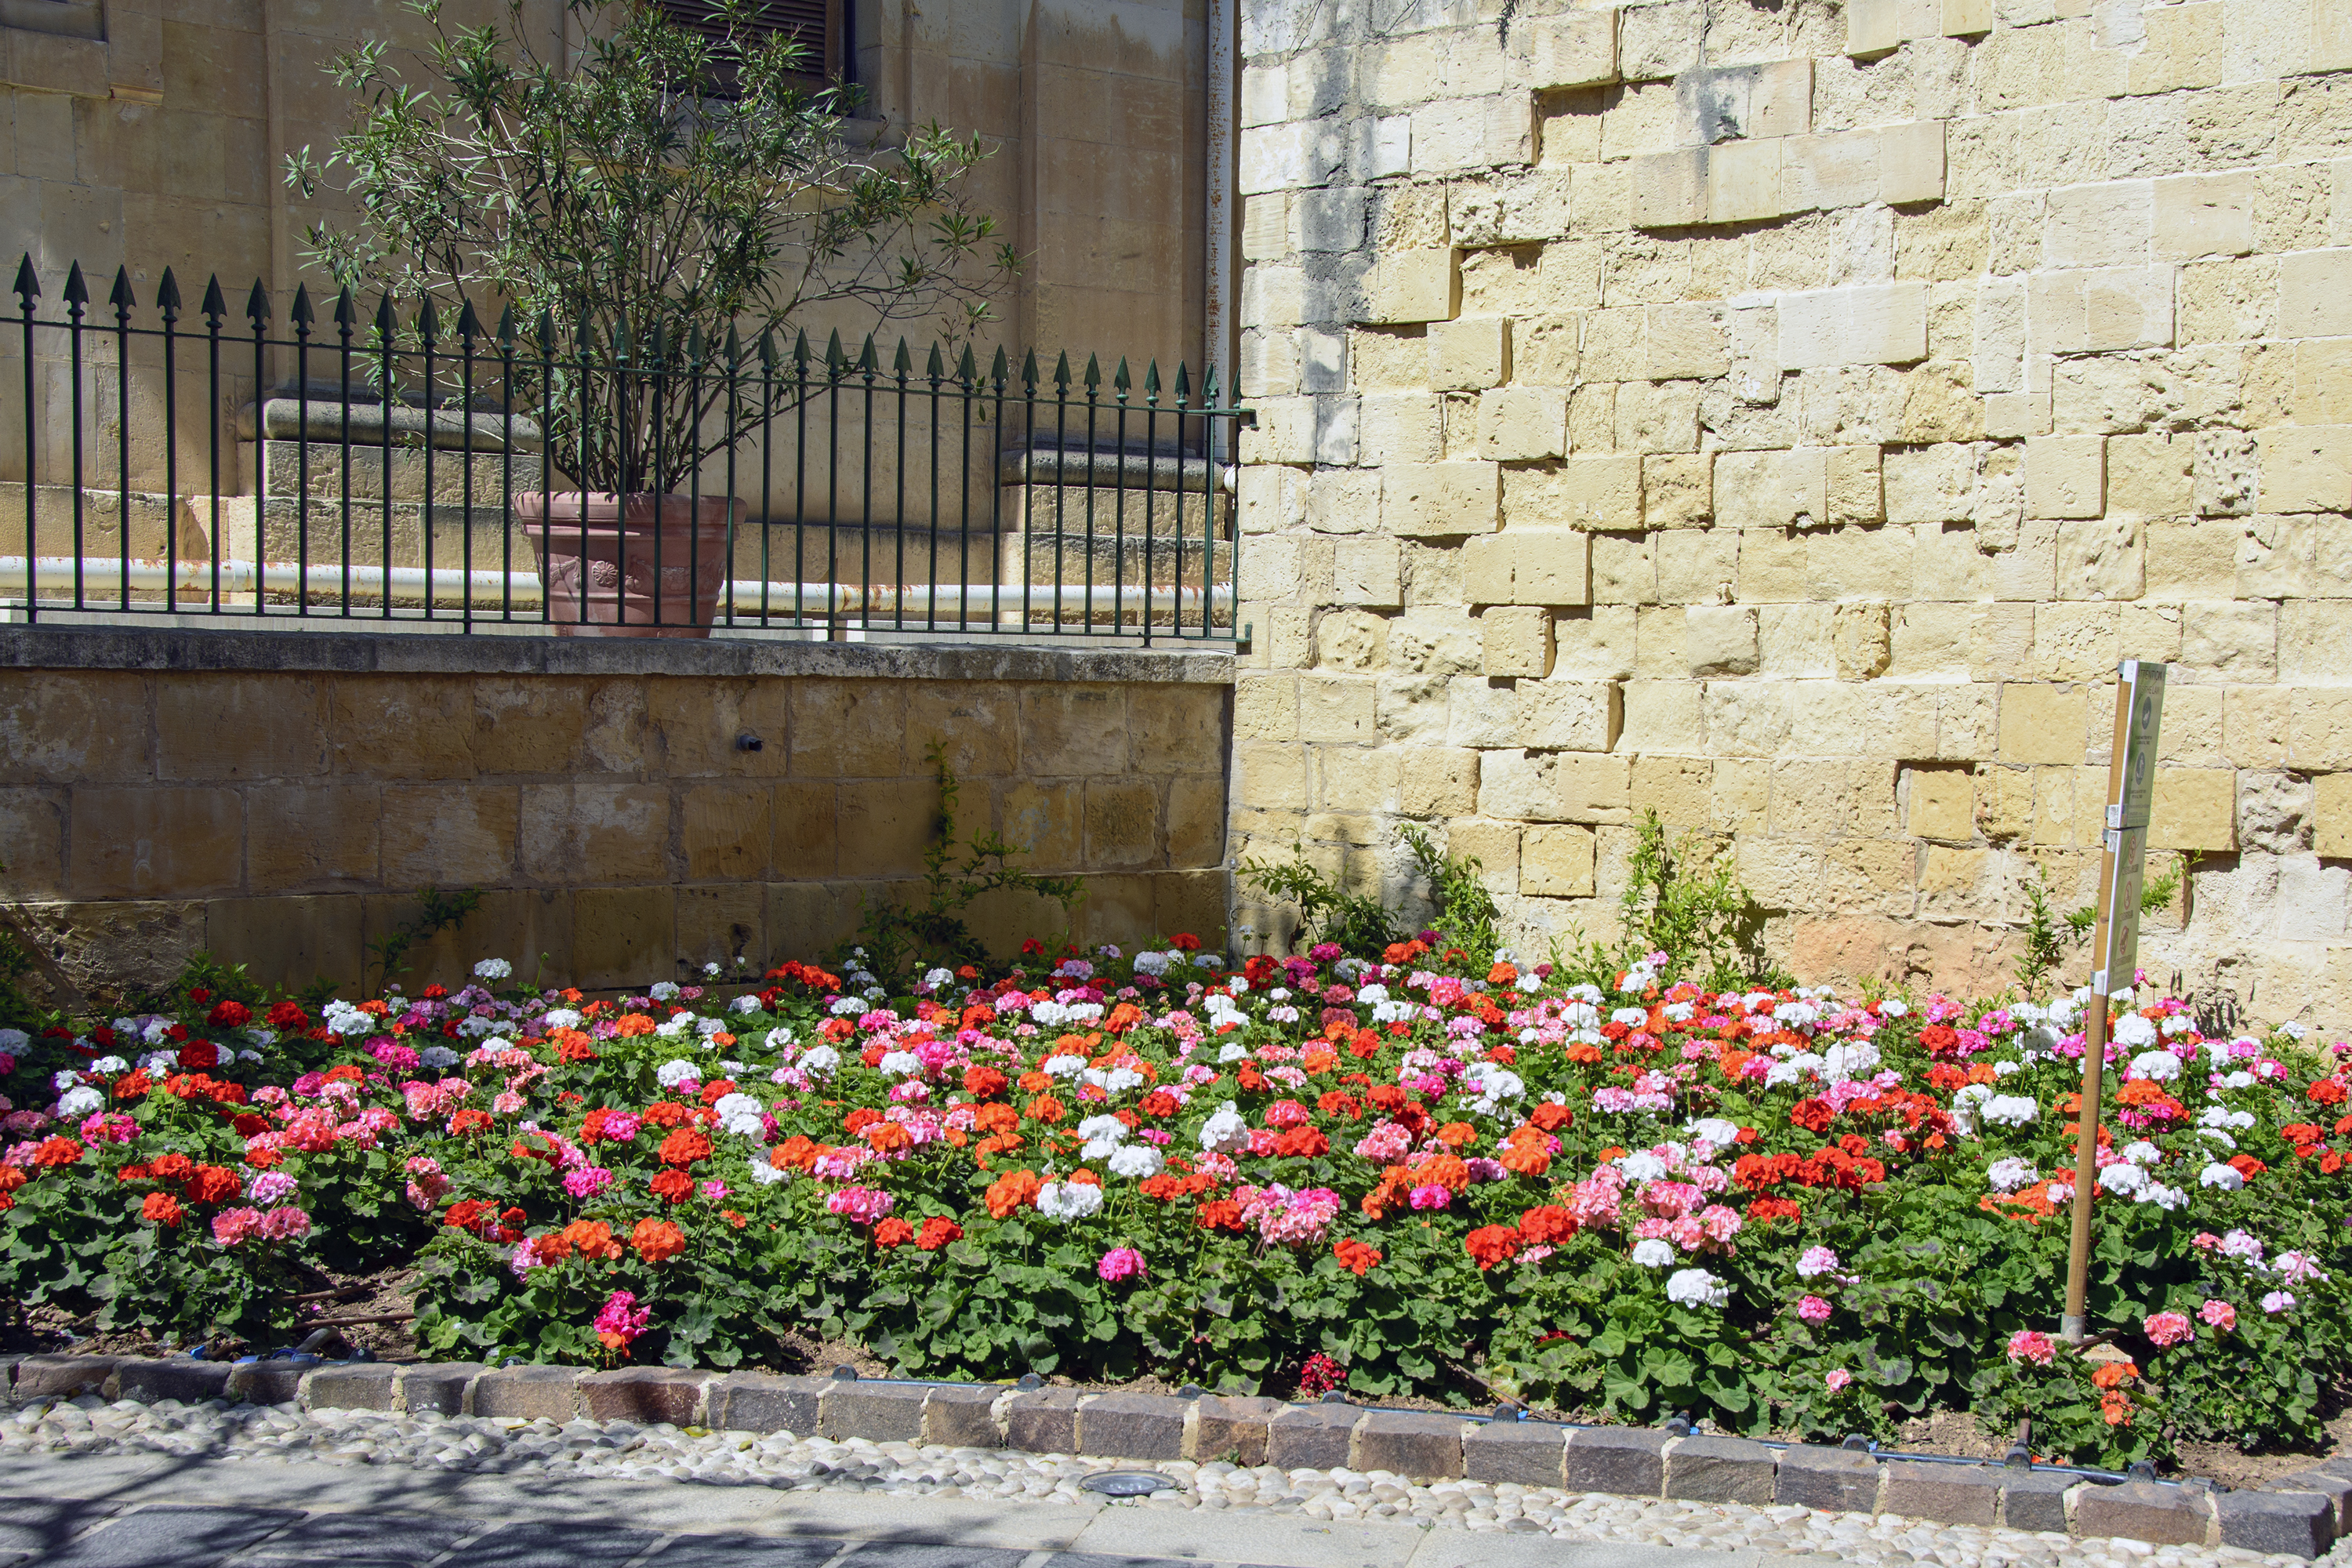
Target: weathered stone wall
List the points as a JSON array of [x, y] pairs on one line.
[[279, 798], [1785, 415]]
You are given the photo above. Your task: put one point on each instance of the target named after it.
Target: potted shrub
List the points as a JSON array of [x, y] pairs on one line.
[[657, 193]]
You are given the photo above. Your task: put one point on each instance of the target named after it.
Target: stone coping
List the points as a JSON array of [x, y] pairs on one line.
[[361, 653], [2301, 1514]]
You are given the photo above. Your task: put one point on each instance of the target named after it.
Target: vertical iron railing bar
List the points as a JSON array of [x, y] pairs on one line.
[[428, 325], [545, 548], [656, 406], [767, 463], [301, 319], [899, 368], [1118, 511], [733, 422], [167, 301], [866, 369], [257, 309], [931, 372], [387, 331], [690, 432], [121, 300], [28, 288], [1176, 609], [1028, 484], [964, 368], [1094, 394], [620, 409], [1208, 495], [215, 309], [800, 480], [77, 297], [505, 465], [469, 327], [1061, 475], [833, 365], [344, 316], [1151, 497]]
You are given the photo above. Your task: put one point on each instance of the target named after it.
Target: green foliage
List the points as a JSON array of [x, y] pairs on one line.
[[436, 911], [1466, 915], [2045, 938], [1684, 899], [897, 936], [1357, 921], [656, 200]]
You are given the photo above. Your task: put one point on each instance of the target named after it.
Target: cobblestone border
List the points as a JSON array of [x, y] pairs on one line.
[[2300, 1514]]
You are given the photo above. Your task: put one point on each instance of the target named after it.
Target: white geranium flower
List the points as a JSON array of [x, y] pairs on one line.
[[1137, 1162], [1640, 1166], [2162, 1066], [1068, 1200], [2008, 1175], [1225, 1133], [818, 1060], [2011, 1109], [79, 1101], [1064, 1067], [662, 990], [1695, 1287], [2132, 1031], [2124, 1179], [2225, 1177], [743, 1115], [901, 1064], [676, 1071], [493, 969], [1714, 1130], [437, 1057], [1654, 1253]]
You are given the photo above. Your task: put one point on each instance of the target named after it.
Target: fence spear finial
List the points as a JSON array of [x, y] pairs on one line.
[[76, 290], [28, 285], [1151, 382], [470, 325], [122, 298], [1119, 380], [507, 333], [256, 306], [167, 297], [216, 307], [347, 310], [301, 315]]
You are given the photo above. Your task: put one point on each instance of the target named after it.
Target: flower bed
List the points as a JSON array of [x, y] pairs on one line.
[[1784, 1210]]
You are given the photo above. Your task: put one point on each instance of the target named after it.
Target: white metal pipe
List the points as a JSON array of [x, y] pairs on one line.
[[1216, 297], [101, 576]]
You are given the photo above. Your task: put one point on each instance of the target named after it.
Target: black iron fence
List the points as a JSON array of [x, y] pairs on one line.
[[400, 467]]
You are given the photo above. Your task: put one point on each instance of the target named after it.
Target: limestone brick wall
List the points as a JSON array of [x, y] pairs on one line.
[[279, 798], [1785, 415]]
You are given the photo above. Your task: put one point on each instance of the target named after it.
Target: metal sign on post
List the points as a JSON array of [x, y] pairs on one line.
[[2115, 941]]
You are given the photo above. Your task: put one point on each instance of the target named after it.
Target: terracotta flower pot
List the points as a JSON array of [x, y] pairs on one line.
[[598, 551]]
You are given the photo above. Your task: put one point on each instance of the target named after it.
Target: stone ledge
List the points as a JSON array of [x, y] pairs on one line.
[[361, 653], [1422, 1447]]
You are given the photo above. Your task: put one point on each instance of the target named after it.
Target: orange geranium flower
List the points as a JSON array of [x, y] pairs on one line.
[[657, 1240], [1455, 1134], [1014, 1190], [629, 1026], [591, 1238], [1046, 1108], [883, 1137]]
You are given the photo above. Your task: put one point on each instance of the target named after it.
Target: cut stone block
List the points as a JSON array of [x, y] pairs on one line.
[[962, 1417], [1629, 1461], [646, 1393], [187, 1380], [1841, 1480], [2336, 1489], [443, 1389], [359, 1386], [62, 1376], [1719, 1469], [1233, 1427], [2165, 1516], [1311, 1437], [758, 1402], [528, 1392], [1132, 1427], [265, 1382], [1043, 1421], [2301, 1524], [2034, 1499], [1951, 1494], [878, 1412], [1530, 1453], [1422, 1447]]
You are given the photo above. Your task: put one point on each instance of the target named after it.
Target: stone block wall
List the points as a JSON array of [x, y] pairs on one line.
[[1785, 416], [279, 798]]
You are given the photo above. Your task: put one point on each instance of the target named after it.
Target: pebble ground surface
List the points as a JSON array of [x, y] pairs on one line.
[[591, 1451]]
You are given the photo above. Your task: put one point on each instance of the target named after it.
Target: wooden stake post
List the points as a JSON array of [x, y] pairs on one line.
[[2115, 941]]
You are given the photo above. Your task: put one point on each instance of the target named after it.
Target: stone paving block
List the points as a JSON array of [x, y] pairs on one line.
[[1630, 1461], [762, 1402], [1132, 1427], [2336, 1489], [528, 1393], [925, 1554], [442, 1389], [265, 1382], [188, 1382], [1422, 1446], [408, 1539], [169, 1533], [42, 1524], [877, 1412], [1311, 1435], [354, 1385], [1043, 1421], [62, 1376], [2144, 1510], [592, 1545], [8, 1371], [744, 1552], [2035, 1499], [2302, 1524], [1949, 1494], [649, 1393], [1841, 1480], [1233, 1427], [1531, 1453], [962, 1417], [1719, 1469]]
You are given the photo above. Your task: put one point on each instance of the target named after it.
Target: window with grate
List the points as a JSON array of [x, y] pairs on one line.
[[817, 23]]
